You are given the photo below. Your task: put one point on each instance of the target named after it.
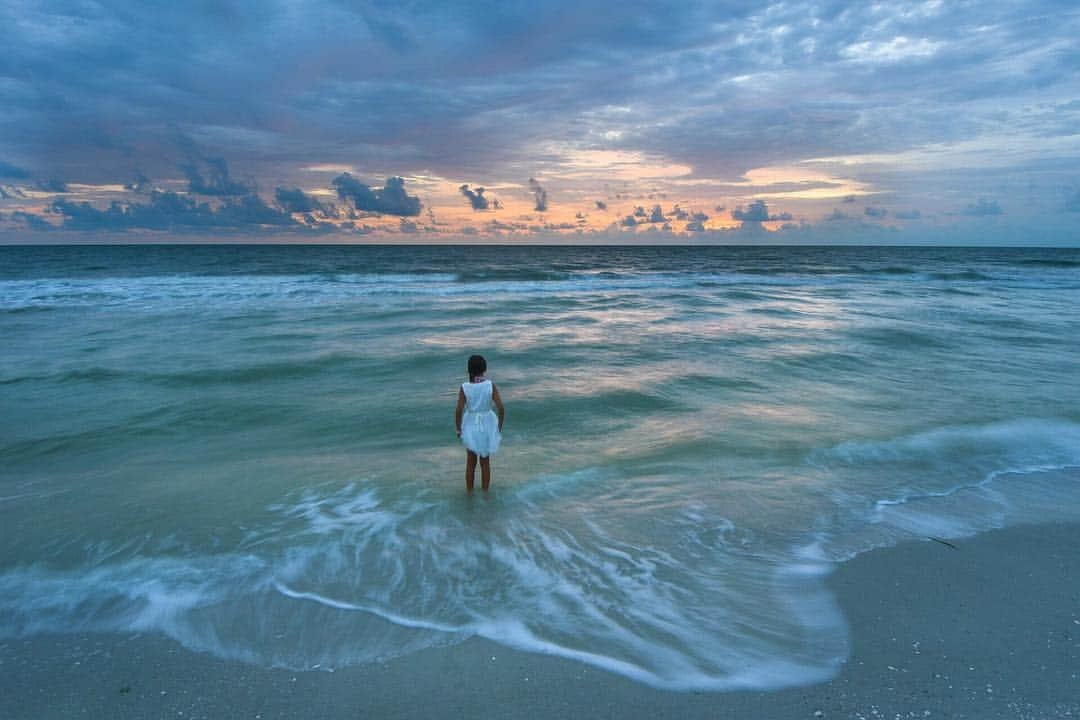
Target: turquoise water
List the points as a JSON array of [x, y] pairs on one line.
[[252, 449]]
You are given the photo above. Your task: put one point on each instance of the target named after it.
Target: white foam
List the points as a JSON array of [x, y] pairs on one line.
[[358, 572], [1013, 445], [952, 482], [371, 608]]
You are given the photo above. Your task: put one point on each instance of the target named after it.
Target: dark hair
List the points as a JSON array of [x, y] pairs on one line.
[[477, 366]]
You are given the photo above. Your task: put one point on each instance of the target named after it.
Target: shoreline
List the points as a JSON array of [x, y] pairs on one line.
[[988, 629]]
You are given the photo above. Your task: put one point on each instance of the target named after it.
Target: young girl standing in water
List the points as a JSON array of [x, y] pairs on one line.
[[478, 426]]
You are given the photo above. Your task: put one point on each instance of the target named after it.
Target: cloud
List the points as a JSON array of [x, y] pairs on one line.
[[758, 212], [768, 189], [894, 50], [10, 170], [139, 184], [477, 199], [553, 226], [296, 200], [641, 216], [539, 195], [697, 222], [391, 199], [34, 222], [119, 74], [875, 212], [601, 205], [52, 185], [91, 91], [983, 208], [217, 181], [499, 226], [169, 210], [907, 214]]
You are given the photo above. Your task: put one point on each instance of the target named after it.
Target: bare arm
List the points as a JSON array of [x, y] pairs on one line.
[[498, 404], [460, 410]]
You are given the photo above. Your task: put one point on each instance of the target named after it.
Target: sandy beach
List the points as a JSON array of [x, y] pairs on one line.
[[988, 629]]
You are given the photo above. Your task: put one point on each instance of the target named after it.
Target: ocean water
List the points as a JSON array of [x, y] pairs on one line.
[[252, 450]]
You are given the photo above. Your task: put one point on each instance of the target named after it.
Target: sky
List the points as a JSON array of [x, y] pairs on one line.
[[589, 121]]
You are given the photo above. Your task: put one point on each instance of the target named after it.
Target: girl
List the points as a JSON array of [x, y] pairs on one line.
[[477, 425]]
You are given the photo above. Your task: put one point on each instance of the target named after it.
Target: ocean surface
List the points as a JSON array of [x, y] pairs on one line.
[[252, 449]]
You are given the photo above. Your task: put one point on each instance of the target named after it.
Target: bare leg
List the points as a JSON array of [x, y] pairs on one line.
[[485, 473], [470, 469]]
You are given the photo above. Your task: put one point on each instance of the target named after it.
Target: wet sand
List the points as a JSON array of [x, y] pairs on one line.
[[990, 629]]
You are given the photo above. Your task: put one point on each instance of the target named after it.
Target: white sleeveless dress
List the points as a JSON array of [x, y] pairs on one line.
[[479, 423]]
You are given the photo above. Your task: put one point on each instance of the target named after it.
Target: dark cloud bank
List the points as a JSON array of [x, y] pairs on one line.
[[236, 206], [169, 210]]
